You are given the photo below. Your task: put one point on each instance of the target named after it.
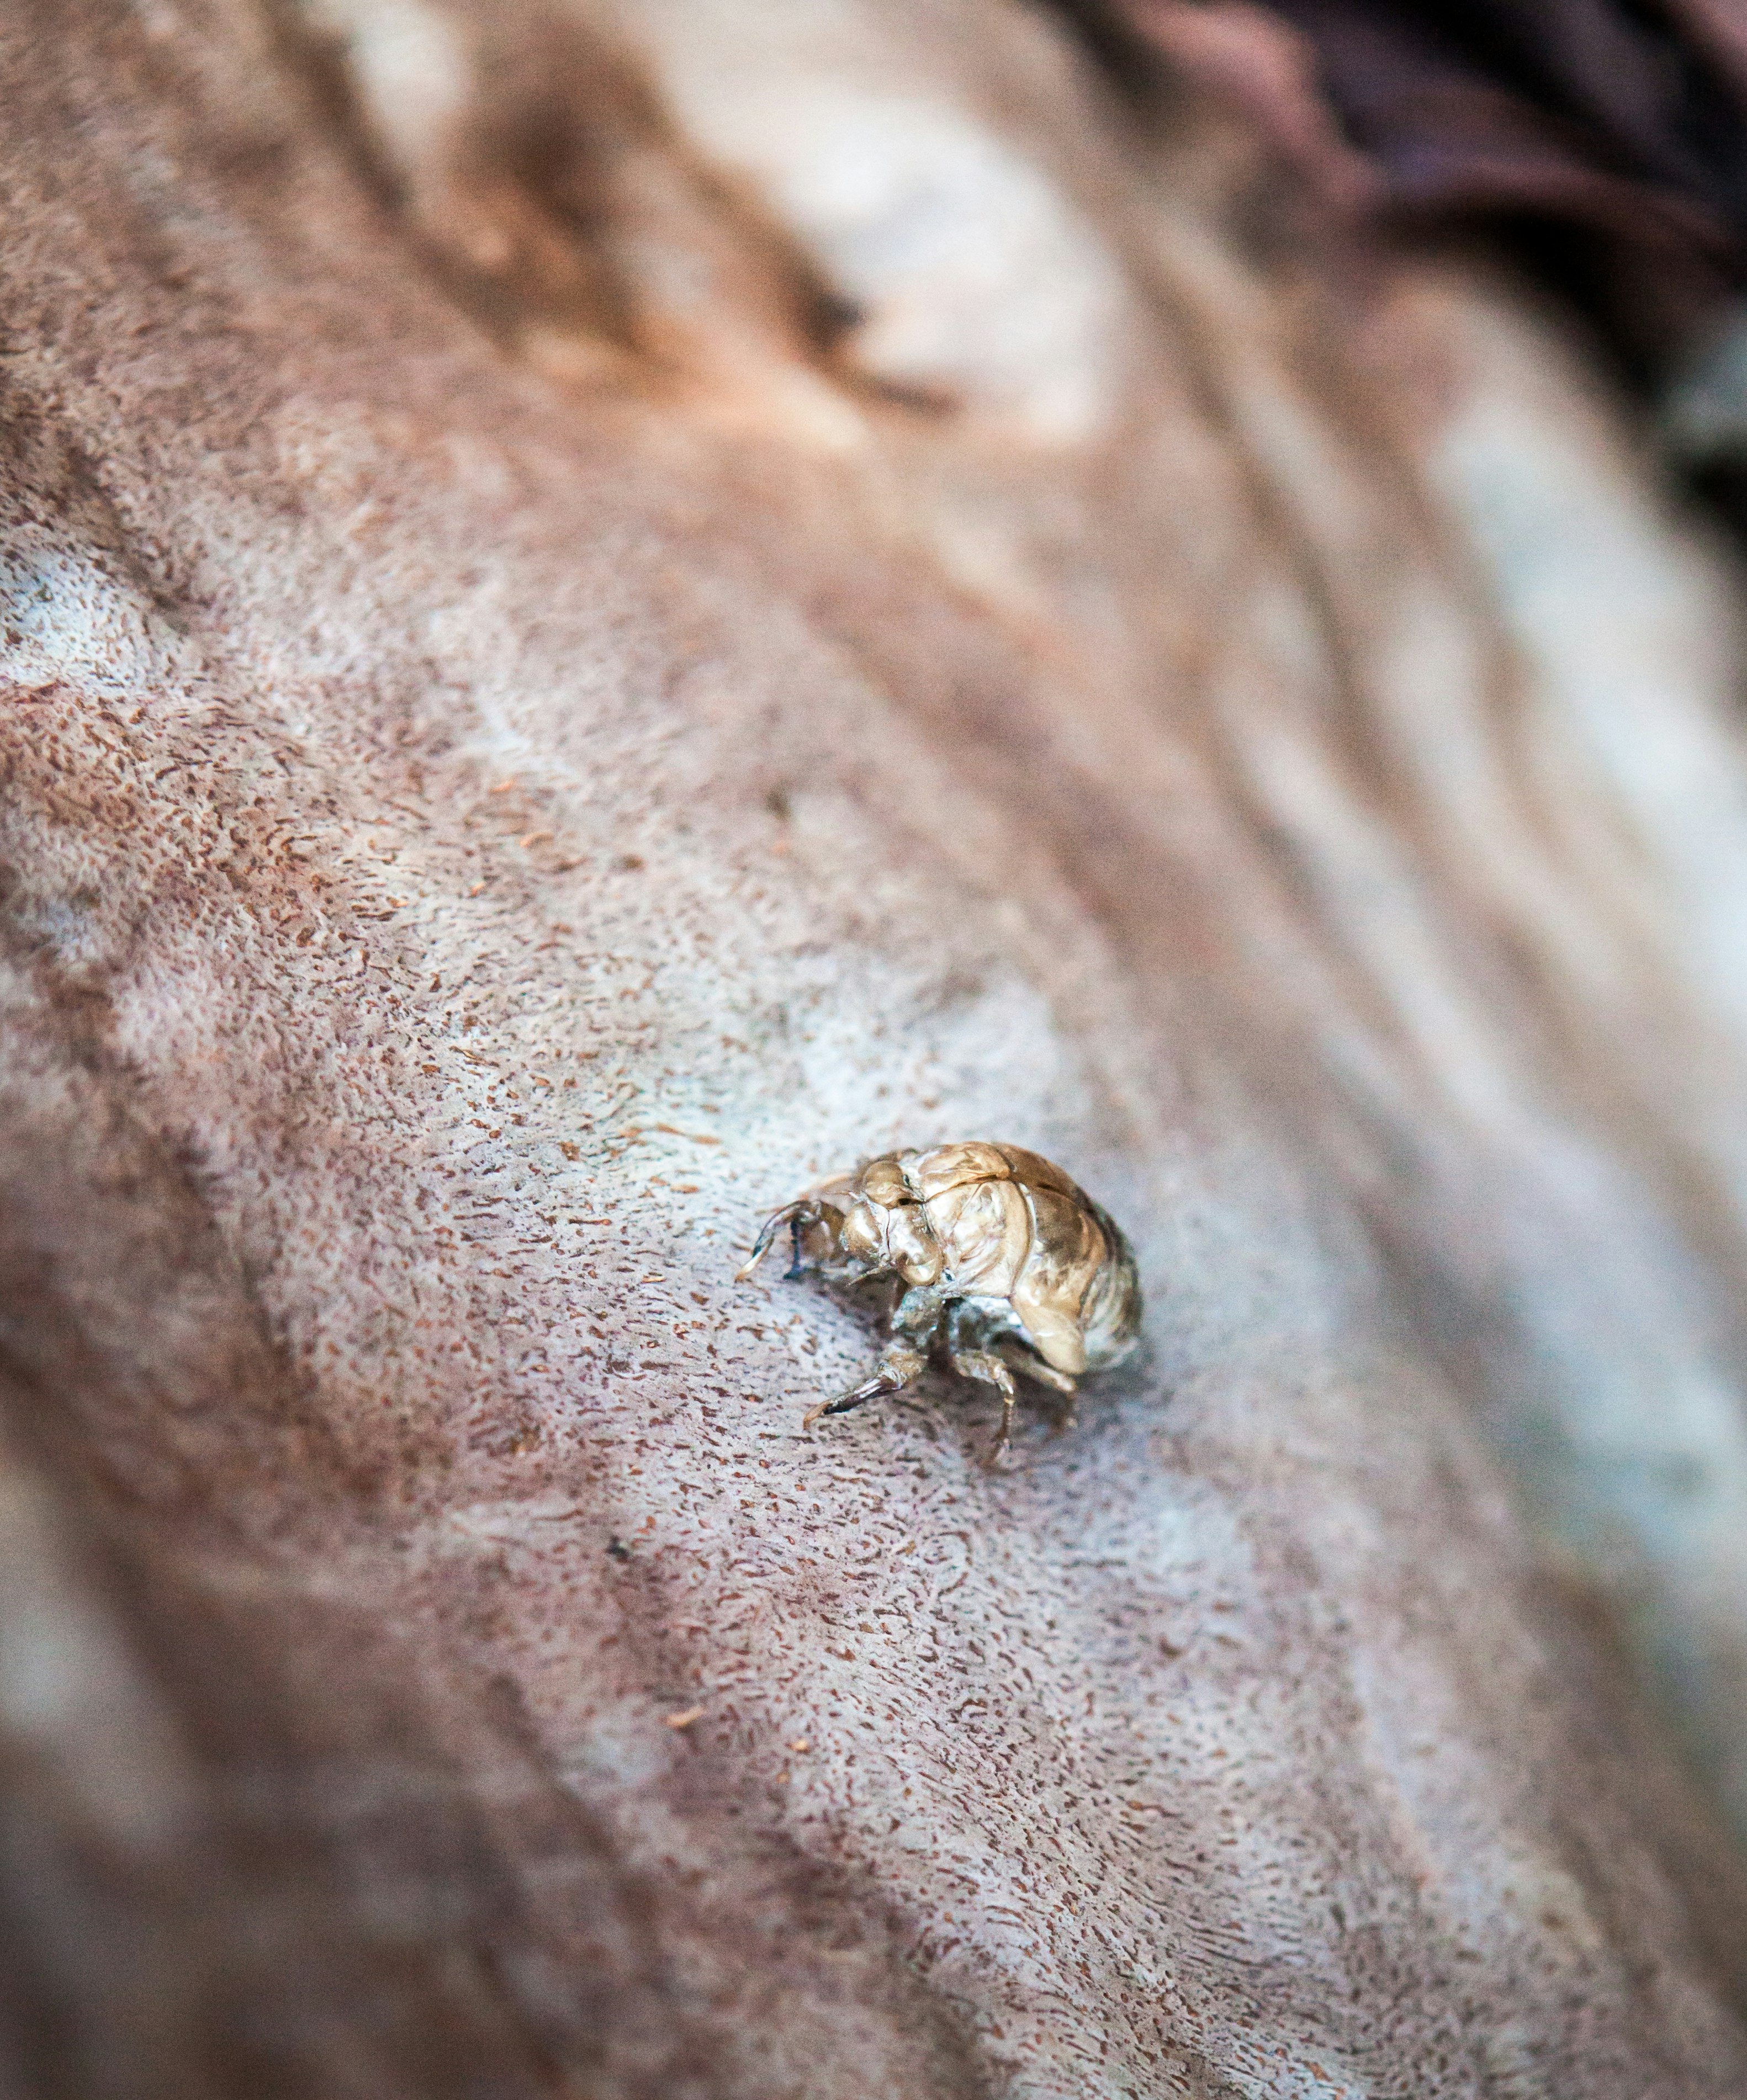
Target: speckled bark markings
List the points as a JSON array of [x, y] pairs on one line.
[[474, 836]]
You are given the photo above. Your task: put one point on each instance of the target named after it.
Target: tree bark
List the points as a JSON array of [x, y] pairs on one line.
[[607, 616]]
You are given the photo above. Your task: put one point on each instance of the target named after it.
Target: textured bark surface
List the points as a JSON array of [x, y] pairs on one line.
[[605, 615]]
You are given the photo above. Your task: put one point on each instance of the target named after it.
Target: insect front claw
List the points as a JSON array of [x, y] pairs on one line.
[[903, 1365], [874, 1388], [789, 1215]]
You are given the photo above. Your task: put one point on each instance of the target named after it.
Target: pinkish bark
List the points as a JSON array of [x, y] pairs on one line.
[[606, 614]]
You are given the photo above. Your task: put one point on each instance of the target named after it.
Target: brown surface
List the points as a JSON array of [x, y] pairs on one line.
[[505, 780]]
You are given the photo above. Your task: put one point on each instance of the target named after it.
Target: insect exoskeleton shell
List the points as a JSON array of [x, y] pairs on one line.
[[1007, 1266], [996, 1222]]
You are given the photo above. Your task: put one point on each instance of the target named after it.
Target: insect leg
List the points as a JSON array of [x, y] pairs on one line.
[[899, 1365], [847, 1272], [987, 1368], [916, 1321], [1045, 1373], [917, 1316], [792, 1214], [1033, 1366]]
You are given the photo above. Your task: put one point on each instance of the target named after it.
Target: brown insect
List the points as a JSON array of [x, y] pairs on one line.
[[1002, 1262]]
